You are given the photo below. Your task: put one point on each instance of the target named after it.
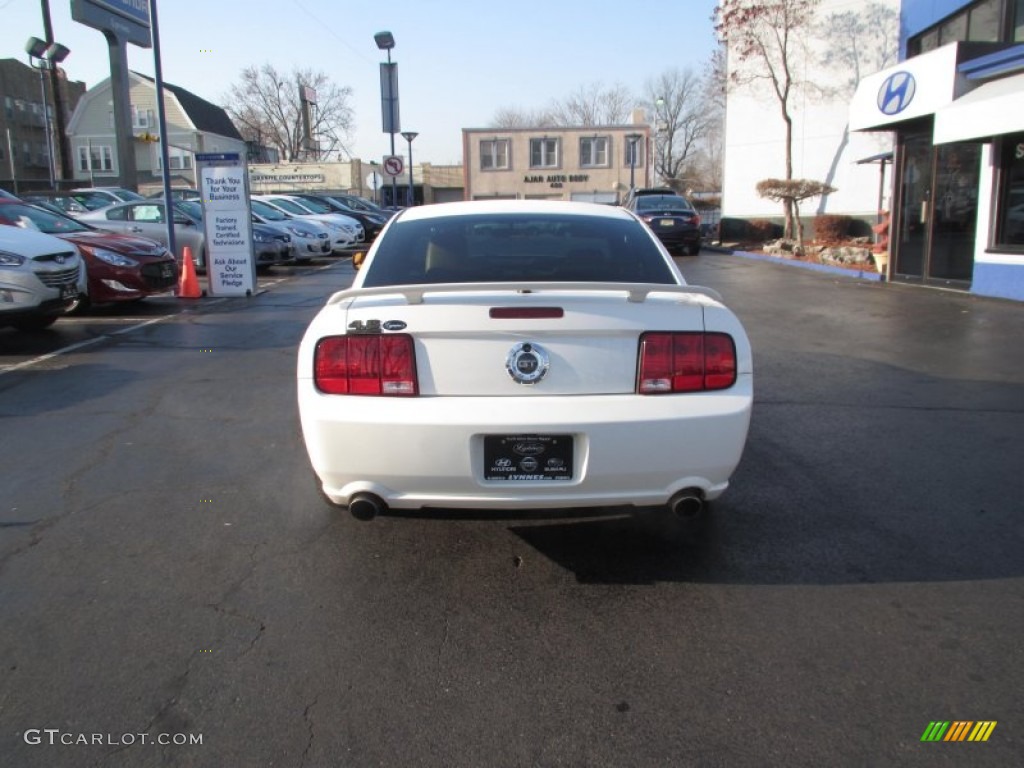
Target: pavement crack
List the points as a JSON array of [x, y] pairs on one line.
[[307, 718], [260, 625], [177, 687]]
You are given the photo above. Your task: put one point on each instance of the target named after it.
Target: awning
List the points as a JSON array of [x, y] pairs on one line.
[[991, 109]]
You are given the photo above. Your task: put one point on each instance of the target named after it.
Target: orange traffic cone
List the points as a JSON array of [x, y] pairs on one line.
[[188, 283]]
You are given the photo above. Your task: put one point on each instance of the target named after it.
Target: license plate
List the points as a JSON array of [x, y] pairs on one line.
[[515, 458], [69, 291], [666, 222]]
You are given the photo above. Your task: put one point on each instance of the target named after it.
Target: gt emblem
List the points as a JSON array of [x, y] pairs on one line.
[[527, 363]]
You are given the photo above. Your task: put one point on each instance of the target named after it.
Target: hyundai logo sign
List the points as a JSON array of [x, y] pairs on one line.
[[896, 93]]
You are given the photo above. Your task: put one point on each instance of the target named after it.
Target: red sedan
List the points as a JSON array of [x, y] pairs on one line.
[[119, 267]]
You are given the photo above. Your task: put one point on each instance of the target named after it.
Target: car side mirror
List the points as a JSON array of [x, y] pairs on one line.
[[357, 260]]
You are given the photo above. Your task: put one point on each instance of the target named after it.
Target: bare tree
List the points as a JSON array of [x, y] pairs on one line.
[[513, 117], [593, 105], [856, 43], [711, 148], [794, 191], [588, 105], [765, 38], [676, 99], [266, 107]]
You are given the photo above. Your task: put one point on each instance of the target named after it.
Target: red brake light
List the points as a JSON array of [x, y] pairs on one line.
[[525, 313], [366, 365], [685, 362]]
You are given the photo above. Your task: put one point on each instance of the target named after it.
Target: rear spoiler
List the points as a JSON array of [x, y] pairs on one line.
[[634, 292]]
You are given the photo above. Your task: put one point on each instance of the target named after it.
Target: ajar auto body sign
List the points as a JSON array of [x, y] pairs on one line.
[[228, 223]]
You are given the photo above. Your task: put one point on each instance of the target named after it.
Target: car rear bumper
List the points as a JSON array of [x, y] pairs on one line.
[[428, 451]]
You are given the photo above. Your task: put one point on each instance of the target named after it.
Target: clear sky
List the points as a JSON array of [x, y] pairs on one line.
[[459, 62]]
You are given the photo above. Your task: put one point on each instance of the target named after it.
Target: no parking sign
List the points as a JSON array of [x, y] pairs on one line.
[[394, 165]]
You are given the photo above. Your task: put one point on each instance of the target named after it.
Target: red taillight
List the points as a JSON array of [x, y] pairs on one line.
[[686, 362], [366, 365]]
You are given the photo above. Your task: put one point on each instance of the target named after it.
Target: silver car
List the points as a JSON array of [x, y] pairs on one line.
[[345, 232], [41, 278], [309, 237], [147, 218]]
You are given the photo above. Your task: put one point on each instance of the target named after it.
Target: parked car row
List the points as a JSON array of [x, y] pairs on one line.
[[117, 267], [62, 250]]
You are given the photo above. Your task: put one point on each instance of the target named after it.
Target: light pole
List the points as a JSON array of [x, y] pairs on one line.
[[632, 138], [373, 175], [385, 42], [49, 56], [409, 136]]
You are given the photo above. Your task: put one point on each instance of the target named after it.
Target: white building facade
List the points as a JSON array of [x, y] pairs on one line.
[[824, 149]]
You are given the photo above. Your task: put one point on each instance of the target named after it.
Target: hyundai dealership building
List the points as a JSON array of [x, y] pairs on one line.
[[955, 104]]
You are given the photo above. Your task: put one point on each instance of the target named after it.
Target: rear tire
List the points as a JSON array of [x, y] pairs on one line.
[[693, 250]]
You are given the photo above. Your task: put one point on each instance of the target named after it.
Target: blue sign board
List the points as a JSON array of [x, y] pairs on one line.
[[135, 10], [213, 157]]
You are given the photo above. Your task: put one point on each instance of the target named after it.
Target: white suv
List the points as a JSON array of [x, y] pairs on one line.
[[41, 278]]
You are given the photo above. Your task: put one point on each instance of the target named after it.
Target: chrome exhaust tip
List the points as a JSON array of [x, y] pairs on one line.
[[366, 506], [687, 504]]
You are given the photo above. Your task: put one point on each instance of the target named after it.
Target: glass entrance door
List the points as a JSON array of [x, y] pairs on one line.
[[914, 211], [937, 211], [951, 250]]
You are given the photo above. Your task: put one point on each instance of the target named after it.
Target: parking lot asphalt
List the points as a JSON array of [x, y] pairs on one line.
[[166, 565]]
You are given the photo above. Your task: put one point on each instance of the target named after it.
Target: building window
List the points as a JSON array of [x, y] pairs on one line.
[[543, 153], [1010, 228], [97, 158], [594, 152], [953, 30], [983, 21], [142, 119], [494, 155], [634, 153], [178, 159]]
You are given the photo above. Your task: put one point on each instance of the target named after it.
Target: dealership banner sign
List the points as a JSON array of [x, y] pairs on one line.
[[230, 262]]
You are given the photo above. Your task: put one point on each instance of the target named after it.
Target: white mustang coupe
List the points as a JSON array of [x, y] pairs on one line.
[[523, 355]]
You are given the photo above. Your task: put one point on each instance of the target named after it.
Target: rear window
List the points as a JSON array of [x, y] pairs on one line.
[[517, 247], [662, 203]]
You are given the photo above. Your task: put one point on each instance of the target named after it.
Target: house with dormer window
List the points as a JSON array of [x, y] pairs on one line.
[[193, 125]]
